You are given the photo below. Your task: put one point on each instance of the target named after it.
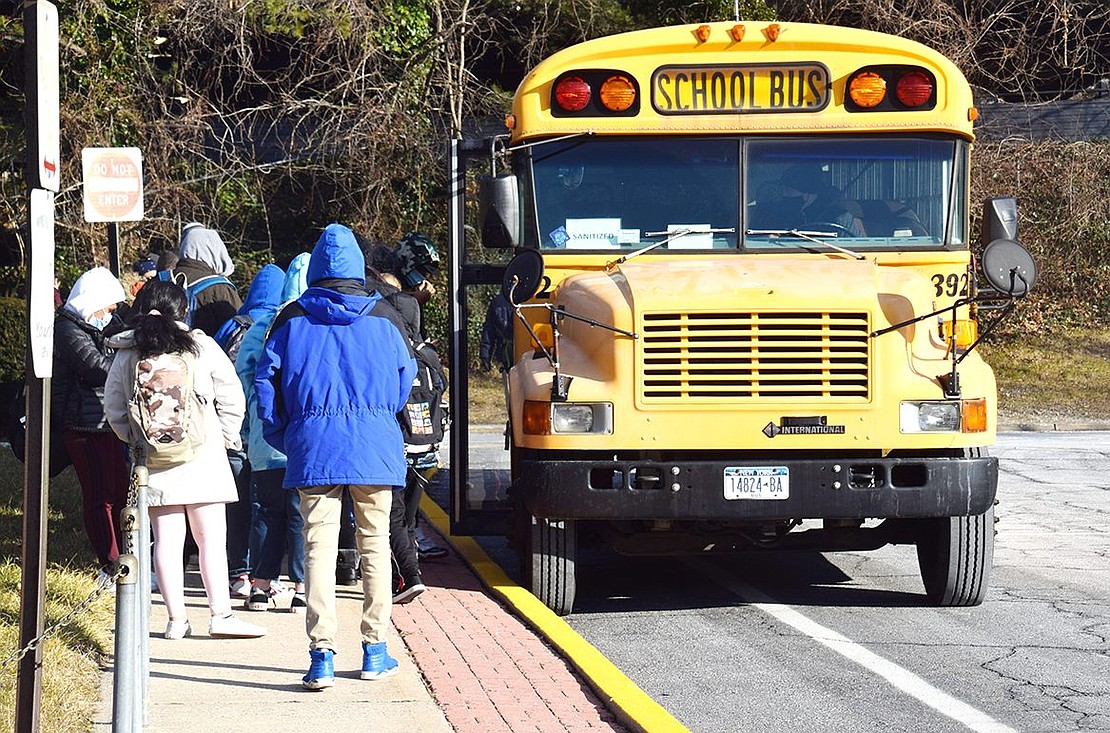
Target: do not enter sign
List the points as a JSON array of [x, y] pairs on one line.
[[113, 180]]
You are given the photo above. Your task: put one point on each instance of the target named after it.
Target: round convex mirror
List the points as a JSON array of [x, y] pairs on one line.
[[522, 277], [1009, 268]]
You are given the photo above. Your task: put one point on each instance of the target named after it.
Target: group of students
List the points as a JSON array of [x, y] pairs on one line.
[[320, 359]]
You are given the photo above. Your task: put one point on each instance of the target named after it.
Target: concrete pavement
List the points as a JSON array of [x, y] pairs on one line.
[[468, 664]]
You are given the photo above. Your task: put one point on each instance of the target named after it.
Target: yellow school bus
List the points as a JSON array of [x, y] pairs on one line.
[[745, 300]]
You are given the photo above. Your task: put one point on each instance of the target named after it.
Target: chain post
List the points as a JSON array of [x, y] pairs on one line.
[[141, 477], [125, 677]]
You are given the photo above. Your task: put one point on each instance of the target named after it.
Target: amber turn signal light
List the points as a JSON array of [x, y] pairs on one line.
[[617, 93], [867, 89], [544, 335], [974, 416], [966, 332], [537, 418]]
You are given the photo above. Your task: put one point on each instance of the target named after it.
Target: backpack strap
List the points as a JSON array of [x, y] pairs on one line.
[[206, 282], [172, 277]]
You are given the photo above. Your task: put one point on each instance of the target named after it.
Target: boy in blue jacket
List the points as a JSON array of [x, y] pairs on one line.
[[330, 381]]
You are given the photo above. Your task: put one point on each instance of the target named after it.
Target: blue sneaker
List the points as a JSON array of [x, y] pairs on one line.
[[321, 672], [376, 662]]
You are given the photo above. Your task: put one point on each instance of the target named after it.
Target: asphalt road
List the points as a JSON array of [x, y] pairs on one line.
[[844, 641]]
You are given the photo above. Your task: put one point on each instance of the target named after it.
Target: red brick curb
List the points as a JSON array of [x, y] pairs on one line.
[[486, 669]]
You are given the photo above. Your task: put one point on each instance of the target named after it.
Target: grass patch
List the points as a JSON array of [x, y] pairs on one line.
[[72, 656], [1060, 374], [487, 399]]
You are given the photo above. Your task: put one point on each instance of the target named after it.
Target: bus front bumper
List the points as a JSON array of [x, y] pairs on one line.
[[695, 489]]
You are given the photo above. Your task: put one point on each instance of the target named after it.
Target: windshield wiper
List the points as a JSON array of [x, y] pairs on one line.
[[807, 236], [671, 236]]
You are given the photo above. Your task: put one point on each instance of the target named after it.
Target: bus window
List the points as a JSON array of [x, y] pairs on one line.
[[881, 193], [630, 193]]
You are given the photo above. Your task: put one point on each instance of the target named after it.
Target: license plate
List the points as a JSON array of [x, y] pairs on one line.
[[757, 482]]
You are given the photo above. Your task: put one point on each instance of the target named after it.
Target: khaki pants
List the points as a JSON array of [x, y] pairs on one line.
[[321, 507]]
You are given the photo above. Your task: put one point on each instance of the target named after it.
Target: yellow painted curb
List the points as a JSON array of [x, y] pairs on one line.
[[620, 694]]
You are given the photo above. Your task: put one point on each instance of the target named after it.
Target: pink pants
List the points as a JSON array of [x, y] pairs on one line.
[[209, 525]]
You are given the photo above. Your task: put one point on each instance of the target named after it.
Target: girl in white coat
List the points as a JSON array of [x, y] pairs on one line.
[[200, 488]]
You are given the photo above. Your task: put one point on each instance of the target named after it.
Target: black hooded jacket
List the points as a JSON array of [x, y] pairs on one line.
[[81, 363]]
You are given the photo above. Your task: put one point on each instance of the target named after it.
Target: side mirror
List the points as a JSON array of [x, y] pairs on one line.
[[1000, 220], [1009, 268], [523, 276], [499, 204]]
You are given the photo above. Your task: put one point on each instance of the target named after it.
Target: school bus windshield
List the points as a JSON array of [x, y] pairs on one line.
[[756, 194]]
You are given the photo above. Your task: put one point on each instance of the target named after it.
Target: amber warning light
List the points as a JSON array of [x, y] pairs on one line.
[[618, 93], [869, 89], [595, 93]]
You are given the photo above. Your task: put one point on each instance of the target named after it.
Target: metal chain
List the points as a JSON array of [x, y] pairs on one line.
[[103, 583]]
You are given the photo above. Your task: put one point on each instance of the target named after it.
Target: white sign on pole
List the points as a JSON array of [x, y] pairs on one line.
[[41, 304], [113, 180], [46, 97]]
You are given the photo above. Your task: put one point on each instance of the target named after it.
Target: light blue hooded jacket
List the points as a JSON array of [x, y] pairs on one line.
[[261, 454], [264, 295], [332, 376]]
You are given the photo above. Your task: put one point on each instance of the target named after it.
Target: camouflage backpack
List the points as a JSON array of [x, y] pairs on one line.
[[166, 412]]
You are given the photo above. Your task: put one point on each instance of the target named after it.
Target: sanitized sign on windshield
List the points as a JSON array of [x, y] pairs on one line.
[[740, 89]]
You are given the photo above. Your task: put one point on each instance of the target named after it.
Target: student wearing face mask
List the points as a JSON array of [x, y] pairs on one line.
[[81, 362]]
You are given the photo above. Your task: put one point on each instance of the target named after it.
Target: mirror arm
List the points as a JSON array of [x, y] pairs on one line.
[[561, 311], [560, 385], [950, 382], [990, 327], [493, 152], [959, 303], [528, 327]]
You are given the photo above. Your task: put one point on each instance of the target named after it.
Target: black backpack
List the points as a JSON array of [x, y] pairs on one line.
[[424, 419], [17, 435], [230, 335]]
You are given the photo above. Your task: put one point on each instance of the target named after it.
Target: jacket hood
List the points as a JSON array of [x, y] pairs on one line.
[[265, 292], [331, 306], [96, 289], [205, 245], [336, 255], [126, 339], [296, 278]]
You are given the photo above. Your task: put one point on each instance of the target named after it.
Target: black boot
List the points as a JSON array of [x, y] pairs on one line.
[[346, 568]]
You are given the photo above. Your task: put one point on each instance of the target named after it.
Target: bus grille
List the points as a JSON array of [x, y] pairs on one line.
[[733, 356]]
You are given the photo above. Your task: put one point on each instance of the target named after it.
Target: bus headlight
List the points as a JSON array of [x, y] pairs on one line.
[[930, 417], [582, 417], [949, 416]]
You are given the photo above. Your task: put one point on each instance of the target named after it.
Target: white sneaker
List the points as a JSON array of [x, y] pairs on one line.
[[178, 629], [241, 586], [233, 627], [279, 588]]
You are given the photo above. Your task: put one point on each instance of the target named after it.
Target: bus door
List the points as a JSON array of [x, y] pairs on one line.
[[479, 455]]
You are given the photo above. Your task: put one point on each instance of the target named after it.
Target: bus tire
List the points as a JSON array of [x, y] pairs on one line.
[[551, 565], [955, 555]]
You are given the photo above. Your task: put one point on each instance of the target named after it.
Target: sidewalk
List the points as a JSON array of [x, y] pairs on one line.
[[467, 664]]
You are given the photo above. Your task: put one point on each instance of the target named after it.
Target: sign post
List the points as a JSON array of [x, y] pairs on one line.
[[113, 180], [40, 31]]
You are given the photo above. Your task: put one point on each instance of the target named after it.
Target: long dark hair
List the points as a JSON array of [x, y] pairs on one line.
[[159, 305]]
